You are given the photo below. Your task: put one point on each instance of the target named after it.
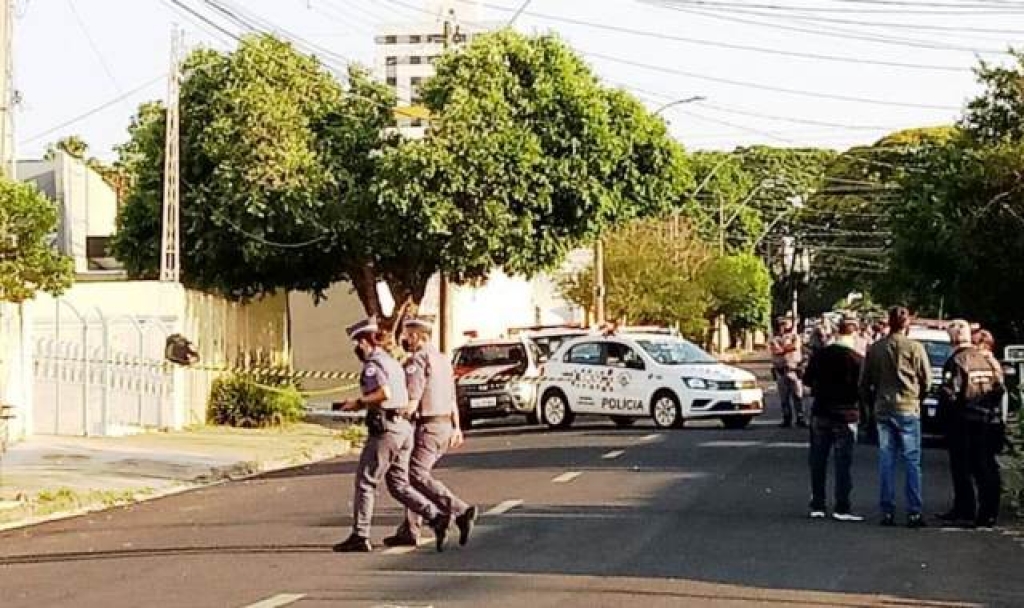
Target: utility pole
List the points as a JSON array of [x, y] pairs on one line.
[[8, 96], [444, 289], [170, 245], [599, 290]]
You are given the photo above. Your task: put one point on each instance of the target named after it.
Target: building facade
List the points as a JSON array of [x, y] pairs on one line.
[[87, 208], [406, 53]]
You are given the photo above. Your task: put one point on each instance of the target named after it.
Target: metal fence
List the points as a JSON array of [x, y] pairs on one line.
[[100, 375]]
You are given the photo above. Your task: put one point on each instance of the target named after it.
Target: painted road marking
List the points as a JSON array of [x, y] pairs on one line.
[[505, 507], [566, 477], [650, 437], [613, 454], [407, 549], [729, 443], [282, 599]]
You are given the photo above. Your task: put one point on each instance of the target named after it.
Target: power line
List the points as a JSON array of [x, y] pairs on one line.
[[93, 111], [768, 87], [93, 46], [844, 35], [963, 9], [729, 45]]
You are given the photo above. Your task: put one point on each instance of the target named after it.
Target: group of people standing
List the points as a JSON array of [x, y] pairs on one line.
[[881, 385], [412, 420]]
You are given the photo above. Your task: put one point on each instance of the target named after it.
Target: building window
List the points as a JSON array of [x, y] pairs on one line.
[[417, 122], [390, 39], [415, 39], [416, 81], [391, 60], [392, 81], [415, 60]]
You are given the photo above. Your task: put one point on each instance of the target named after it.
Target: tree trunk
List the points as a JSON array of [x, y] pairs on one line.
[[364, 281]]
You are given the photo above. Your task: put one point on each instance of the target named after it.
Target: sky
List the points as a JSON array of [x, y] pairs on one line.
[[822, 73]]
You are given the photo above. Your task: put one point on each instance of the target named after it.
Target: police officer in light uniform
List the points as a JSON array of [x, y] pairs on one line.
[[431, 383], [389, 444]]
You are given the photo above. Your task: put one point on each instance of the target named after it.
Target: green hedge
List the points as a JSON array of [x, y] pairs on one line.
[[251, 401]]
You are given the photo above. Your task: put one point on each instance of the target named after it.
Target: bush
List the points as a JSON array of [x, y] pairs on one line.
[[249, 401]]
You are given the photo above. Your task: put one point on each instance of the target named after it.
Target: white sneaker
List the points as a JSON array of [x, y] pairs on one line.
[[846, 517], [817, 515]]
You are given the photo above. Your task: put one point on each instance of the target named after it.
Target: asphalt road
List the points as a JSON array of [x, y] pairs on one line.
[[596, 516]]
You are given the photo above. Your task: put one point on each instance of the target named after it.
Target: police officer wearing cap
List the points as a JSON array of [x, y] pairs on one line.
[[431, 383], [389, 444]]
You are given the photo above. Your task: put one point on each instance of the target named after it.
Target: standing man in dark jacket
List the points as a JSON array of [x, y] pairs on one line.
[[972, 394], [834, 375]]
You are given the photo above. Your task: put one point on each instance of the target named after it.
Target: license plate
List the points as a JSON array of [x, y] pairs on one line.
[[483, 402]]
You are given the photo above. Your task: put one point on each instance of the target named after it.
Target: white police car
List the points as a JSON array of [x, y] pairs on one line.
[[632, 376]]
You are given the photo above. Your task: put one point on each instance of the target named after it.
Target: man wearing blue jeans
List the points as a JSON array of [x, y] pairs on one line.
[[896, 377]]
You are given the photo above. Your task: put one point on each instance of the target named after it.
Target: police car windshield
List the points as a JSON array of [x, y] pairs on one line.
[[938, 352], [675, 352], [487, 355]]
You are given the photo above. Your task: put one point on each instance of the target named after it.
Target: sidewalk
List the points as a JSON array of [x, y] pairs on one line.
[[51, 477]]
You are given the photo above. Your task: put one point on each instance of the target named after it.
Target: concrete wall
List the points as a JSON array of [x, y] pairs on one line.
[[16, 381], [133, 318]]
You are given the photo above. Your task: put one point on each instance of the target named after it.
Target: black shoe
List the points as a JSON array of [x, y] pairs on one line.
[[353, 544], [915, 520], [440, 525], [401, 538], [888, 520], [801, 424], [985, 522], [465, 524], [786, 424]]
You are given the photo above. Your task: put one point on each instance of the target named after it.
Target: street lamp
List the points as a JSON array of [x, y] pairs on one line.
[[679, 102]]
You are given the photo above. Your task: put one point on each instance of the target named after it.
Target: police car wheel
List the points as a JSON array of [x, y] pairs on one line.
[[555, 408], [623, 421], [736, 422], [665, 411]]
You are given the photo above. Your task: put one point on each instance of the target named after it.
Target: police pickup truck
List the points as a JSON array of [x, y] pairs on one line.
[[631, 376], [496, 379]]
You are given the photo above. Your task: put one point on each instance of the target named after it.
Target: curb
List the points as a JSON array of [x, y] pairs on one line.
[[215, 476]]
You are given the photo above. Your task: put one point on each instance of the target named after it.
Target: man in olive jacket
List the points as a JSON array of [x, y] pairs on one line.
[[896, 378]]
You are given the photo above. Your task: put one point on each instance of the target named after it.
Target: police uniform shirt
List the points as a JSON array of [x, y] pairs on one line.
[[431, 381], [381, 370]]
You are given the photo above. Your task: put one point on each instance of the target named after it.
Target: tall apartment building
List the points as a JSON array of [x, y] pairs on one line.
[[406, 53]]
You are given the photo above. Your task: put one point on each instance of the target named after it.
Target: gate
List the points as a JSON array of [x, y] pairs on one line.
[[100, 375]]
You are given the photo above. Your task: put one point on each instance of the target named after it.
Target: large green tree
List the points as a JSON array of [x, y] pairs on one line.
[[28, 261], [528, 156], [290, 181], [274, 156], [654, 274]]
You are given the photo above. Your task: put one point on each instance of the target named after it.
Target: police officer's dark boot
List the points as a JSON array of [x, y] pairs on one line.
[[401, 538], [353, 544], [440, 525], [465, 524]]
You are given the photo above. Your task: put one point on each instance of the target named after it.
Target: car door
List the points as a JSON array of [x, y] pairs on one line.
[[624, 377], [583, 370]]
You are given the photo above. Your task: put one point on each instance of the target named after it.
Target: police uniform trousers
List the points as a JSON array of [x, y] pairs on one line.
[[791, 393], [432, 441], [386, 457]]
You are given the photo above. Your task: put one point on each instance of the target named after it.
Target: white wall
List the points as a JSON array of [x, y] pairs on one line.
[[16, 381]]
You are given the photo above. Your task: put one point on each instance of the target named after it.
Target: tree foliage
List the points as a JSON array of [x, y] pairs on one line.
[[654, 272], [290, 181], [739, 287], [28, 261]]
